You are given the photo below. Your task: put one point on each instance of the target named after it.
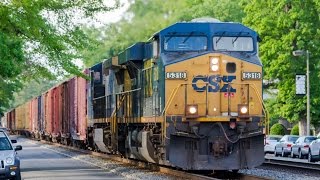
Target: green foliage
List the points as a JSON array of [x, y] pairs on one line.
[[272, 107], [223, 10], [31, 90], [41, 39], [277, 129], [285, 26], [295, 130]]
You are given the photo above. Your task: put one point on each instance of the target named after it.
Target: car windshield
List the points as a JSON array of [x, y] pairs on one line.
[[185, 43], [310, 139], [222, 43], [4, 142], [292, 139], [274, 138]]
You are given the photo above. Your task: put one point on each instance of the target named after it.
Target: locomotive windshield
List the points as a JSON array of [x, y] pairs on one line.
[[223, 43], [185, 43]]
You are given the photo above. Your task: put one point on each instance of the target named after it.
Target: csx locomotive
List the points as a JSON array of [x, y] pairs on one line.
[[190, 97]]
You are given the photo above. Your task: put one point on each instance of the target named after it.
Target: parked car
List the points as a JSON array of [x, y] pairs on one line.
[[283, 148], [301, 147], [314, 150], [270, 143], [10, 163]]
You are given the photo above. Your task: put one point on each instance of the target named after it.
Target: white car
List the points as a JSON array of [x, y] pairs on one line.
[[283, 148], [270, 143], [301, 147], [10, 163], [314, 150]]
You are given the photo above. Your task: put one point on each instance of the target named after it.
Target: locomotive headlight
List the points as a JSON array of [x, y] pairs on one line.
[[192, 110], [214, 63], [243, 110], [214, 60], [214, 67]]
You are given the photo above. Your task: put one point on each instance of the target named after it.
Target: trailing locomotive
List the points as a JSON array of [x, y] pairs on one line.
[[191, 98]]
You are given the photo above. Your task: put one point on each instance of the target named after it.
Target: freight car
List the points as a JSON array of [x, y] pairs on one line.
[[191, 98]]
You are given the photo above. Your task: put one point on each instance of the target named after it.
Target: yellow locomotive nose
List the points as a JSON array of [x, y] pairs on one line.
[[217, 87]]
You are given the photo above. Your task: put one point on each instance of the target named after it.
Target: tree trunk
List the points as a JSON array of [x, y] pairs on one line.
[[303, 127]]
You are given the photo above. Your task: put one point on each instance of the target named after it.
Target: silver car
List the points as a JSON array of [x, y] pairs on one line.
[[270, 144], [10, 163], [314, 150], [283, 148], [301, 147]]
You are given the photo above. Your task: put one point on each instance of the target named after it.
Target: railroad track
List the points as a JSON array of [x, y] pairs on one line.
[[292, 164], [161, 169]]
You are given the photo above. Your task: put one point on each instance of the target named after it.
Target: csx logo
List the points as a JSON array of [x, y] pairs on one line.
[[213, 83]]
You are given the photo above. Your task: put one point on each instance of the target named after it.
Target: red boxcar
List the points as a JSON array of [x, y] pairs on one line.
[[56, 113], [41, 117], [77, 113], [48, 114], [65, 120]]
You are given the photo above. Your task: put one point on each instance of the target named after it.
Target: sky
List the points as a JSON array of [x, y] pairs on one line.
[[112, 16]]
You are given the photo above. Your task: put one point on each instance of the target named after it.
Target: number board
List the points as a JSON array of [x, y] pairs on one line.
[[251, 75], [176, 75]]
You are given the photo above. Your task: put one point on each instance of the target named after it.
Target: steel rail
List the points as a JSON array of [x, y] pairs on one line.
[[292, 164]]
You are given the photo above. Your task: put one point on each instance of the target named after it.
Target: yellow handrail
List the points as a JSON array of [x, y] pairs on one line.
[[164, 112], [263, 108], [113, 115]]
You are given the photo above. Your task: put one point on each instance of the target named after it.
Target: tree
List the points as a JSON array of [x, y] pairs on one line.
[[39, 38], [223, 10], [295, 130], [277, 129], [285, 26]]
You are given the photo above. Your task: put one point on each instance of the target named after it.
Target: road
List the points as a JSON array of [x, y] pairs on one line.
[[38, 162]]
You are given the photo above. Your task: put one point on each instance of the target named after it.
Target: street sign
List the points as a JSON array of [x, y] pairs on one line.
[[300, 84]]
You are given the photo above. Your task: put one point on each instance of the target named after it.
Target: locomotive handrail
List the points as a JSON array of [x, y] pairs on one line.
[[164, 112], [113, 115], [133, 90], [98, 97], [263, 107]]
